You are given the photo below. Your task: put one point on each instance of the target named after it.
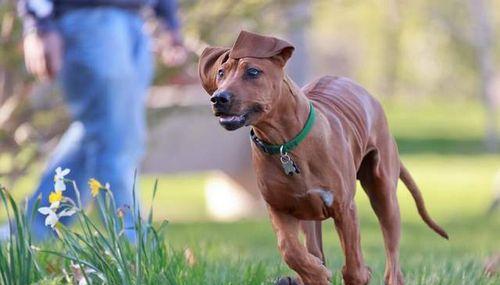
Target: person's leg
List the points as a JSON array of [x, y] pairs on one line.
[[119, 152], [116, 78], [105, 78], [72, 152], [137, 125]]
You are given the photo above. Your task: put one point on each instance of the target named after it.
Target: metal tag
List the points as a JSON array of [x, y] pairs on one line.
[[289, 166]]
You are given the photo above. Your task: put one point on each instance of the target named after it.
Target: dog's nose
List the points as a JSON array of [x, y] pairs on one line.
[[221, 98]]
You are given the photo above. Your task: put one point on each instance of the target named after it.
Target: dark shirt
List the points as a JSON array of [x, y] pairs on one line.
[[40, 14]]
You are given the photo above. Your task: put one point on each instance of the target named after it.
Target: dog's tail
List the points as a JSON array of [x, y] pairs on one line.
[[405, 176]]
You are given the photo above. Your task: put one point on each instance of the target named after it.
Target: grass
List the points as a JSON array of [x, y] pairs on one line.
[[457, 192], [440, 144]]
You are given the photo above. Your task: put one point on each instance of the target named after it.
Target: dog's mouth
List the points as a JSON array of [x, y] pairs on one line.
[[232, 122]]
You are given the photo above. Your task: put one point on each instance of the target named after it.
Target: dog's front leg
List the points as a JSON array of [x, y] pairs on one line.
[[313, 238], [309, 267], [354, 271]]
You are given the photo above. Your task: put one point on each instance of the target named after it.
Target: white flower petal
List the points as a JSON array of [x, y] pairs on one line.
[[59, 185], [54, 205], [67, 213], [44, 210], [51, 220], [65, 172], [60, 173]]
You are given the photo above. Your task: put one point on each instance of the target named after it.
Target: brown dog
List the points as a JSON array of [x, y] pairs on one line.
[[310, 146]]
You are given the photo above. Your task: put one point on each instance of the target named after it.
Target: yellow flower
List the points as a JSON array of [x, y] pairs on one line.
[[95, 187], [55, 197]]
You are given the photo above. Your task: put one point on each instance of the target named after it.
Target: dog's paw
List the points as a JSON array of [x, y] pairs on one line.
[[394, 279], [286, 281], [361, 276]]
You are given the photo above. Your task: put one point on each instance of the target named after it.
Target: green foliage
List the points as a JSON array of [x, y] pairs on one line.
[[17, 261], [10, 54], [426, 48], [96, 254], [92, 253], [457, 192], [218, 22]]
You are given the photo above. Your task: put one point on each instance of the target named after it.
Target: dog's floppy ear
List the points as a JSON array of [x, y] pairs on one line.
[[254, 45], [210, 61], [285, 54]]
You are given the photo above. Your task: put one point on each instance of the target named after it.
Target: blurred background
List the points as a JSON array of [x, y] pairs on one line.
[[433, 64]]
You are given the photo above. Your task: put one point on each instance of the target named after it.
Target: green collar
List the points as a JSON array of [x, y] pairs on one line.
[[290, 145]]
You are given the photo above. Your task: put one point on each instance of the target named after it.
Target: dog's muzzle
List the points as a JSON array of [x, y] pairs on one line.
[[221, 99], [232, 122], [221, 105]]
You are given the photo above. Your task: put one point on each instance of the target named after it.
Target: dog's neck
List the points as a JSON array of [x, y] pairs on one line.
[[288, 116]]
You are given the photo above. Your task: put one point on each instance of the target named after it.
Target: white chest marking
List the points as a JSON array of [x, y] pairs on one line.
[[326, 195]]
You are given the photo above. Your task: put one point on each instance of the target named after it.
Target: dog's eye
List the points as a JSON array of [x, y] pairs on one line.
[[253, 72], [220, 73]]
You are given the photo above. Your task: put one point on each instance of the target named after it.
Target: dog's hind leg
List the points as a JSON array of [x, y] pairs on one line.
[[378, 175], [309, 268], [314, 239]]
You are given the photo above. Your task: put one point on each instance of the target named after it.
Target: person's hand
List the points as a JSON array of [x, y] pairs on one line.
[[43, 54], [171, 49], [174, 55]]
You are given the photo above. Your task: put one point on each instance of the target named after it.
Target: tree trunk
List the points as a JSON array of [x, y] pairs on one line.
[[392, 50], [483, 43], [300, 15]]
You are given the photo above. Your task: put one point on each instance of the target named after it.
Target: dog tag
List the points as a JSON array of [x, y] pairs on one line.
[[289, 166]]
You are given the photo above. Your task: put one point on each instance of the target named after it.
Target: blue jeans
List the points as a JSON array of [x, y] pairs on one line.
[[106, 73]]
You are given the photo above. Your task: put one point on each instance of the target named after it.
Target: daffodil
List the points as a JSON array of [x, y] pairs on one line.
[[52, 219], [59, 184], [95, 187], [55, 198]]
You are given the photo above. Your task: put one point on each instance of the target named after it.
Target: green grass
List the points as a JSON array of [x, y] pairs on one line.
[[441, 144], [457, 192]]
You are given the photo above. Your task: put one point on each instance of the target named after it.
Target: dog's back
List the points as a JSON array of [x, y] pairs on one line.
[[342, 99]]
